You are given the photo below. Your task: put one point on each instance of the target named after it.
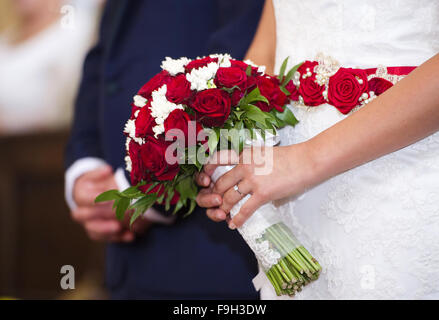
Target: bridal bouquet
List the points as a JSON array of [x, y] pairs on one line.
[[184, 114]]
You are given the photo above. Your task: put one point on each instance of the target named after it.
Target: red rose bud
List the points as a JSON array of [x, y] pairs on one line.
[[178, 89], [199, 63], [379, 85], [269, 88], [144, 122], [137, 169], [153, 154], [294, 93], [156, 82], [346, 87], [212, 107]]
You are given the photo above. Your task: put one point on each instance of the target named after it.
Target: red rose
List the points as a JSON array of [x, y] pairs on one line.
[[144, 122], [230, 77], [159, 190], [243, 66], [379, 85], [212, 107], [138, 172], [346, 87], [178, 119], [294, 93], [238, 64], [308, 66], [269, 88], [199, 63], [154, 161], [311, 92], [134, 109], [156, 82], [178, 89], [236, 97]]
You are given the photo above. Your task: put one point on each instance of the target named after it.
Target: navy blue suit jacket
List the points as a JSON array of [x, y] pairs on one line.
[[194, 258]]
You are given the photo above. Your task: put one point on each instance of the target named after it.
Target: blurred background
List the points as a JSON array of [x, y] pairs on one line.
[[42, 47]]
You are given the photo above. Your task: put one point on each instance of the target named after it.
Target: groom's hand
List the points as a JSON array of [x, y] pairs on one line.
[[99, 220]]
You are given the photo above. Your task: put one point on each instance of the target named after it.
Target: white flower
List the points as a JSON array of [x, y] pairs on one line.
[[129, 164], [223, 60], [261, 69], [251, 63], [161, 108], [130, 129], [127, 144], [139, 101], [200, 77], [174, 66]]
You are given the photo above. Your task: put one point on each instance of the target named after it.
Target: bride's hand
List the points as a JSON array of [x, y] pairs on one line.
[[266, 174]]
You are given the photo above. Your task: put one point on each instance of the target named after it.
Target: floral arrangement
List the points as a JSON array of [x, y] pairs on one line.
[[184, 114]]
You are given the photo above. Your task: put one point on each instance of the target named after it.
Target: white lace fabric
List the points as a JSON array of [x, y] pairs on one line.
[[374, 229]]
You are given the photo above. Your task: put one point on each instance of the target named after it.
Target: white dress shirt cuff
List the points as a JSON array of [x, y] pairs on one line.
[[77, 169]]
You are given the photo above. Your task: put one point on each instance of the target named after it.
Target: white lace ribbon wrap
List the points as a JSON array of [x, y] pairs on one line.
[[264, 217]]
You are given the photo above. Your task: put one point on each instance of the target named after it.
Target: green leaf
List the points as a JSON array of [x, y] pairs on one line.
[[248, 71], [287, 117], [191, 208], [131, 193], [253, 96], [213, 140], [290, 74], [255, 114], [238, 113], [122, 207], [284, 90], [141, 205], [108, 196], [282, 69], [178, 206]]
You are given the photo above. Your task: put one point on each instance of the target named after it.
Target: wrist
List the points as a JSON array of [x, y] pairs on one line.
[[310, 161]]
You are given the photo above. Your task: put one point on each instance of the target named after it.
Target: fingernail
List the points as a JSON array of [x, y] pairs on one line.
[[217, 201], [205, 181], [232, 226]]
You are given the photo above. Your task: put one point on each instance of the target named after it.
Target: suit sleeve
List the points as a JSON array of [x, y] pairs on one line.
[[237, 24]]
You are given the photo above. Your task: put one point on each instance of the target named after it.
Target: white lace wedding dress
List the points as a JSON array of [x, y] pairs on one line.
[[374, 229]]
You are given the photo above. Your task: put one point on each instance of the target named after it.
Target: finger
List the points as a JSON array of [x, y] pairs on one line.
[[100, 173], [249, 207], [99, 211], [202, 179], [228, 180], [207, 199], [141, 225], [232, 196], [126, 236], [104, 228], [220, 158], [216, 215]]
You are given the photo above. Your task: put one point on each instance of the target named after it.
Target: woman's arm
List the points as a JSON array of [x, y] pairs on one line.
[[404, 114], [262, 50]]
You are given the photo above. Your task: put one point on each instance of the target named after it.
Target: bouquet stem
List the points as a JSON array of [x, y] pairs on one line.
[[296, 268]]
